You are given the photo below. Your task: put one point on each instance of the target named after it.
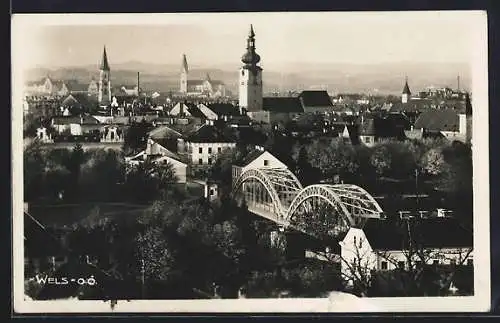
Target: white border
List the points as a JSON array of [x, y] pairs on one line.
[[477, 20]]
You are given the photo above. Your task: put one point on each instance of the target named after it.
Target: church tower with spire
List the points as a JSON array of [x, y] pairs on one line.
[[184, 75], [104, 81], [250, 88], [405, 97]]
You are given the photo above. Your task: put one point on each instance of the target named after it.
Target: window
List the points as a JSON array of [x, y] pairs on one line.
[[435, 262], [401, 264], [209, 150], [354, 241], [470, 262], [200, 161], [210, 161], [200, 150], [266, 162], [383, 265], [219, 150], [211, 192], [361, 242]]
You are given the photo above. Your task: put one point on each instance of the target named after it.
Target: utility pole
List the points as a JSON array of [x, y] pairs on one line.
[[143, 279], [416, 188]]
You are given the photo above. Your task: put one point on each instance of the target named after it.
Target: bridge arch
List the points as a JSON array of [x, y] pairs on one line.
[[352, 203], [280, 183]]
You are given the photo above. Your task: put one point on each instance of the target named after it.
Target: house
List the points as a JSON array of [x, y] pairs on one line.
[[381, 246], [47, 87], [278, 110], [315, 101], [224, 111], [446, 123], [190, 110], [205, 143], [75, 125], [156, 153], [258, 158], [78, 102], [375, 128]]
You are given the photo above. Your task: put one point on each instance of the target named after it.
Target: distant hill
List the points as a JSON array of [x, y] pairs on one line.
[[337, 78]]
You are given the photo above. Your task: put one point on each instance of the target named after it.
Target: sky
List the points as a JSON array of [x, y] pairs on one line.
[[220, 39]]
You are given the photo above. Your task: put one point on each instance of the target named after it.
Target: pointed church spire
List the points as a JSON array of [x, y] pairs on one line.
[[406, 89], [184, 63], [104, 62], [252, 33]]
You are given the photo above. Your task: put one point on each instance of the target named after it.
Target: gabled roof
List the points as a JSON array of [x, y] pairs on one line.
[[207, 133], [250, 157], [195, 111], [164, 132], [282, 105], [438, 120], [315, 99], [227, 109]]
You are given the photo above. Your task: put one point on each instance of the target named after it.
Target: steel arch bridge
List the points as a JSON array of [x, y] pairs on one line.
[[277, 194]]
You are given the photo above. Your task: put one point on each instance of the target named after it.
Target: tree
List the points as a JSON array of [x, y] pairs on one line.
[[148, 181], [432, 162], [381, 160], [154, 254], [34, 169]]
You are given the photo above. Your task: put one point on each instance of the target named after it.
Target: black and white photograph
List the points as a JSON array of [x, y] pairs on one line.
[[251, 162]]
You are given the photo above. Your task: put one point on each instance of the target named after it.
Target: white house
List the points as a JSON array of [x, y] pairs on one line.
[[258, 158], [206, 143], [160, 155], [380, 247]]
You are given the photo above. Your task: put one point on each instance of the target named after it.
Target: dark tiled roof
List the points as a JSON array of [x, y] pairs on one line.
[[224, 109], [282, 105], [75, 119], [315, 99], [438, 120], [250, 157], [209, 133], [428, 233], [195, 111]]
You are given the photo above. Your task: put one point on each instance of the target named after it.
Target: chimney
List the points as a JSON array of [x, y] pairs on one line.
[[458, 83], [138, 84]]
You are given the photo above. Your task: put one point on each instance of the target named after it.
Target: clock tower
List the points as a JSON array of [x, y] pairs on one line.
[[104, 81]]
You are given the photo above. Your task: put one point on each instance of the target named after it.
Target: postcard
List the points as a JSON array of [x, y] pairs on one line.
[[250, 162]]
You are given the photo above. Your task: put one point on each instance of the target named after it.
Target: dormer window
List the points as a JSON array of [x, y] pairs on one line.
[[266, 162]]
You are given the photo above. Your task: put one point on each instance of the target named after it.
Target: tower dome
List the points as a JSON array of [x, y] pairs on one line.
[[251, 57]]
